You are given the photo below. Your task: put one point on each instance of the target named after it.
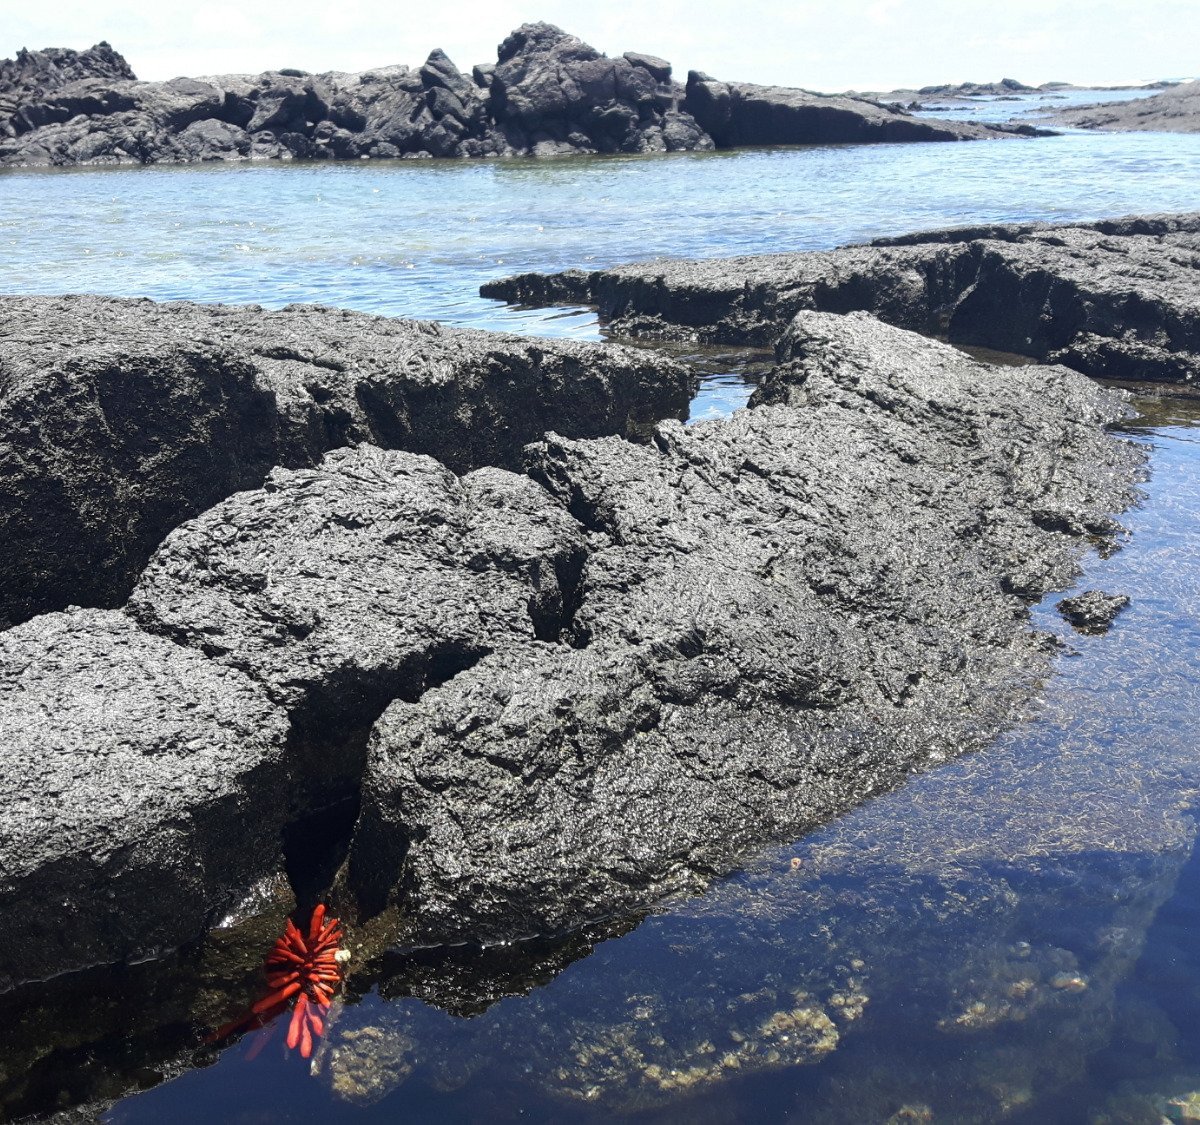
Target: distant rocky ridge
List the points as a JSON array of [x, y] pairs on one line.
[[1175, 110], [958, 91], [548, 93]]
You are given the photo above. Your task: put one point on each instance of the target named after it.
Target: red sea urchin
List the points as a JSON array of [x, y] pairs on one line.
[[304, 965]]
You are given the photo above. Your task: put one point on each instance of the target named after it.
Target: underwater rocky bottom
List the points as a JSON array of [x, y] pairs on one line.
[[1009, 936]]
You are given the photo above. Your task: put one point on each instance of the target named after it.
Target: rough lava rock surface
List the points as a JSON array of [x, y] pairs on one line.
[[119, 419], [371, 577], [780, 614], [601, 681], [142, 792], [548, 93], [1118, 298], [34, 74]]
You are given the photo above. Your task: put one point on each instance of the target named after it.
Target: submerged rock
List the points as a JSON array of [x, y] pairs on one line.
[[371, 577], [1118, 298], [780, 614], [143, 792], [1093, 611], [119, 419], [547, 94]]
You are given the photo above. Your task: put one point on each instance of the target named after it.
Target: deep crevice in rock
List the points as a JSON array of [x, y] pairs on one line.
[[328, 758]]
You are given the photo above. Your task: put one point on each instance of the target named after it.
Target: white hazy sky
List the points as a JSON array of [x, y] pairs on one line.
[[860, 44]]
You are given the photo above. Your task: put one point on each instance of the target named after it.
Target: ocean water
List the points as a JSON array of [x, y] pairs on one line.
[[1012, 936], [1032, 108]]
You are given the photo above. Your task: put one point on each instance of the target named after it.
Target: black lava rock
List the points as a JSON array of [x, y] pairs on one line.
[[120, 419], [1092, 611], [1118, 298], [143, 792], [547, 94], [780, 614]]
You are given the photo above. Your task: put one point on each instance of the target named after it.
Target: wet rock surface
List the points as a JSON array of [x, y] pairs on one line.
[[547, 94], [780, 614], [143, 792], [122, 418], [1093, 611], [1118, 298], [371, 577], [77, 1043]]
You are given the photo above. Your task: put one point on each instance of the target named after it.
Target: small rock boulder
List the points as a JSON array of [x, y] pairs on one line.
[[368, 578], [1093, 611]]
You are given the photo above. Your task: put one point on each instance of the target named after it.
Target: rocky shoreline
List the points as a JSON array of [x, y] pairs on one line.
[[565, 682], [547, 94], [1116, 299]]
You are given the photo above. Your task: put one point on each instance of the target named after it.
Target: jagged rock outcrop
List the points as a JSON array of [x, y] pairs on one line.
[[371, 577], [780, 614], [1118, 298], [547, 93], [143, 792], [119, 419], [1174, 110], [33, 74], [550, 93]]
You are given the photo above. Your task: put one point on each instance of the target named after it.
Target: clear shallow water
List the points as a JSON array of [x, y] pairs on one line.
[[1010, 936]]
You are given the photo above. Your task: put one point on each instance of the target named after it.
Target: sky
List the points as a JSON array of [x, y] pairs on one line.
[[846, 44]]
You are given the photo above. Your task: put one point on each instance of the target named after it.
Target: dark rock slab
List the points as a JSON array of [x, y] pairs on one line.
[[1118, 298], [119, 419], [780, 614], [743, 114], [547, 94], [142, 792], [371, 577], [1093, 611], [1175, 110]]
